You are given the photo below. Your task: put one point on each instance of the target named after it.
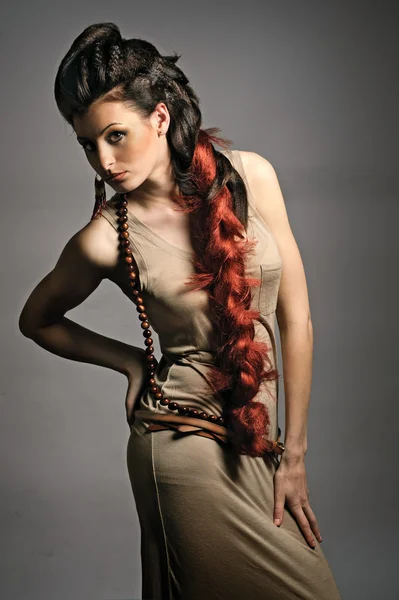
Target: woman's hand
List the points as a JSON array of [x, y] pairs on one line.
[[137, 376], [290, 486]]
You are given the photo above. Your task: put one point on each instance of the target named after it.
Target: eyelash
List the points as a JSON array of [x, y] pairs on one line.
[[123, 133]]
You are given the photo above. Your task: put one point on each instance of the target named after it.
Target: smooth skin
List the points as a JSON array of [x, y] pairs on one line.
[[117, 138]]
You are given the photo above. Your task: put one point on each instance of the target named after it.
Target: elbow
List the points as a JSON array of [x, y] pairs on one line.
[[24, 328], [30, 326]]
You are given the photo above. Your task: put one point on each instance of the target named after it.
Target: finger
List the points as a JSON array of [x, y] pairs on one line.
[[279, 502], [311, 517], [303, 524], [278, 513]]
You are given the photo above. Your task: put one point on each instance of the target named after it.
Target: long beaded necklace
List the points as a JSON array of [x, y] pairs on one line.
[[154, 389]]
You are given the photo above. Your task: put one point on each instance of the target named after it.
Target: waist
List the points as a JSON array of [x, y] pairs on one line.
[[197, 426], [190, 423]]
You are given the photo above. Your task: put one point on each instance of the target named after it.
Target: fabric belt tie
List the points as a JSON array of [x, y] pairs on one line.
[[190, 425]]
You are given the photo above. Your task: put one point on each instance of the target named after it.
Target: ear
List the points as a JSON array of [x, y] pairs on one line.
[[160, 118]]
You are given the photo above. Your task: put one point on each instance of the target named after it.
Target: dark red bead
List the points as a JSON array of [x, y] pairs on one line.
[[193, 412], [203, 415], [212, 418], [183, 410], [173, 406], [220, 421]]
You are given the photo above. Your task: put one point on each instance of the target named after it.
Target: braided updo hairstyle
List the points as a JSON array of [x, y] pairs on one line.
[[102, 64]]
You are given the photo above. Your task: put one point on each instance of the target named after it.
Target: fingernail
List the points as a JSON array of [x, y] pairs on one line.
[[277, 521]]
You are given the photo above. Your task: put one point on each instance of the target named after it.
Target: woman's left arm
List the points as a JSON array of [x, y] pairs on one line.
[[296, 335]]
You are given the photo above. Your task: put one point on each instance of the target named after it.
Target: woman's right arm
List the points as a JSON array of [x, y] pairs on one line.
[[88, 257]]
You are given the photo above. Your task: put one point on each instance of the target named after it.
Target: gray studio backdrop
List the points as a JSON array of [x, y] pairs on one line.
[[310, 86]]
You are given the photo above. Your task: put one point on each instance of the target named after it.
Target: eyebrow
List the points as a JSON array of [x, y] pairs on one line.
[[101, 132]]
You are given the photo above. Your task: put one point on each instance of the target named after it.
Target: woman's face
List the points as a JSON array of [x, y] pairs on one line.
[[116, 138]]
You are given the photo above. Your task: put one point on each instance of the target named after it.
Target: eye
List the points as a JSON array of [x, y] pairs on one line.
[[122, 133], [111, 135]]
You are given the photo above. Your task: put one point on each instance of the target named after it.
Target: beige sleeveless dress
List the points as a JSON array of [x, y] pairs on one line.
[[206, 517]]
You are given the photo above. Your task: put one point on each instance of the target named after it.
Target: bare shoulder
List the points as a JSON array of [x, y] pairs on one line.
[[265, 187], [257, 168], [96, 244]]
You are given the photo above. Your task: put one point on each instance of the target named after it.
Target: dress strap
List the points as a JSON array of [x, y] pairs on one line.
[[236, 160], [110, 214]]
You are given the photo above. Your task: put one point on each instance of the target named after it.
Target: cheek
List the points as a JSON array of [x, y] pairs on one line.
[[143, 152]]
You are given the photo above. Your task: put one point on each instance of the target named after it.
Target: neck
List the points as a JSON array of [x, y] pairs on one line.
[[157, 189]]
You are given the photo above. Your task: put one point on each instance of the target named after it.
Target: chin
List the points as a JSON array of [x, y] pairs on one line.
[[120, 185], [126, 185]]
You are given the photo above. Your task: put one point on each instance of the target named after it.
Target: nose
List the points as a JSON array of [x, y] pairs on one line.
[[105, 160]]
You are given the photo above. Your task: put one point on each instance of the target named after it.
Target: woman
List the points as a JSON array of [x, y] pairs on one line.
[[197, 238]]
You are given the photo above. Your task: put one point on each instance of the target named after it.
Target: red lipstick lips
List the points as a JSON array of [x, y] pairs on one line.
[[117, 176]]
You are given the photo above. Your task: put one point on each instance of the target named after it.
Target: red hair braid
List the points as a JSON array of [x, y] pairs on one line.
[[221, 247]]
